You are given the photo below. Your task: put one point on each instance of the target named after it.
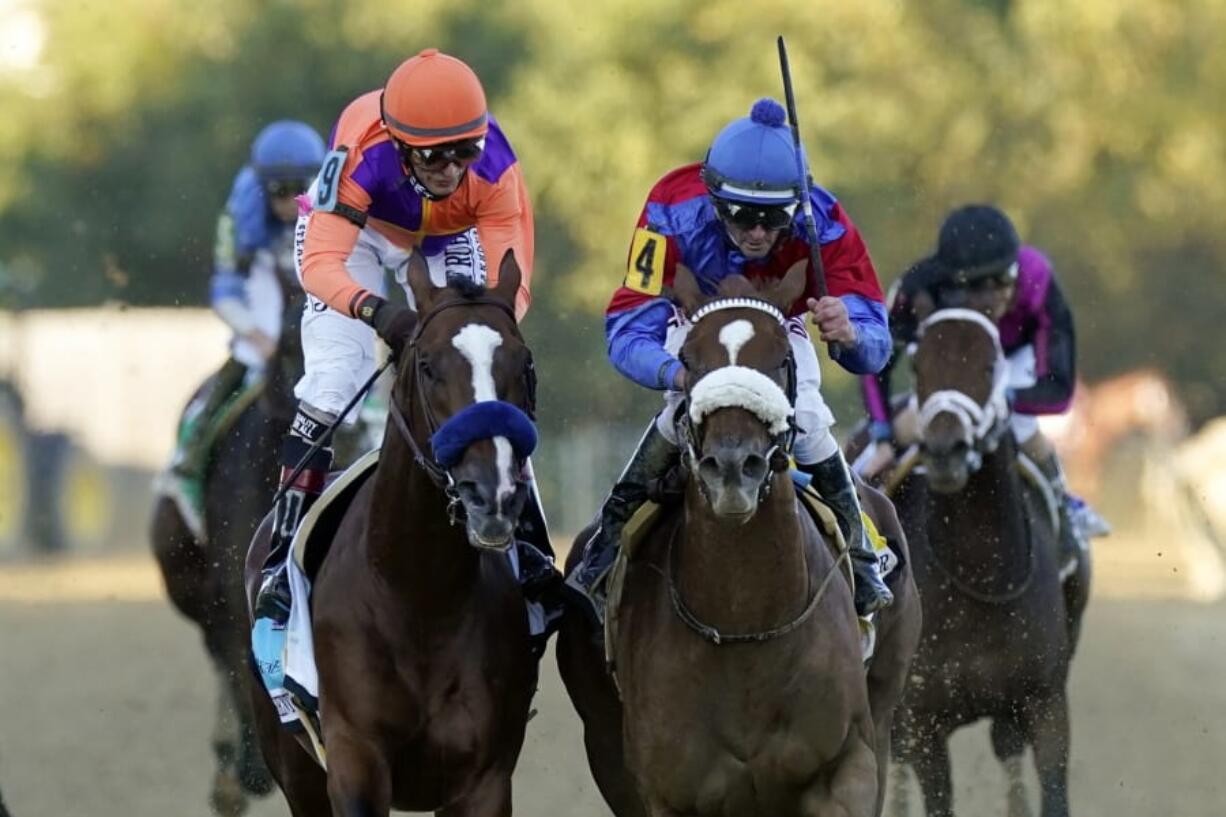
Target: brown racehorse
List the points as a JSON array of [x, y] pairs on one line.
[[738, 655], [205, 579], [1000, 630], [421, 635]]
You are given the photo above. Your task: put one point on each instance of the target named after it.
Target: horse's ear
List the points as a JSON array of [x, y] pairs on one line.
[[737, 286], [785, 293], [687, 291], [509, 278], [419, 282]]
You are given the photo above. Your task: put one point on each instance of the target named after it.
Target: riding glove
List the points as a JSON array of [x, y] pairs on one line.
[[394, 324]]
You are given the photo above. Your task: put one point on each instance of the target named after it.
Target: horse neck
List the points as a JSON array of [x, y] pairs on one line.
[[982, 528], [743, 578], [411, 542]]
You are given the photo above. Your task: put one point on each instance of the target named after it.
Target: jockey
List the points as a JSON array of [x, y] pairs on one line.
[[254, 240], [981, 264], [418, 165], [736, 214]]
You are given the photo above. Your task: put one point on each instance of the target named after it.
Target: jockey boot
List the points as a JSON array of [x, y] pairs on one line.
[[273, 599], [1075, 514], [833, 481], [271, 608], [652, 460], [197, 443]]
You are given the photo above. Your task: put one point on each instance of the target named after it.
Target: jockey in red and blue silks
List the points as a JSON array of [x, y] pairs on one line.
[[253, 249], [736, 214], [981, 264]]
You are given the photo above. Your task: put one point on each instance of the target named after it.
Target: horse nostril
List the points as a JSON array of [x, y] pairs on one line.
[[471, 494], [755, 467]]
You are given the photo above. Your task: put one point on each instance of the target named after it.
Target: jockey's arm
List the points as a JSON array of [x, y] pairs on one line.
[[851, 278], [227, 287], [635, 338], [504, 222], [1055, 354]]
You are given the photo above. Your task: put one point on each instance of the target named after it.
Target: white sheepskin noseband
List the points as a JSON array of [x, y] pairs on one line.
[[741, 387]]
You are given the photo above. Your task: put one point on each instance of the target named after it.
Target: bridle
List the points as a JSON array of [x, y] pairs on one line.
[[981, 424], [438, 474], [781, 420]]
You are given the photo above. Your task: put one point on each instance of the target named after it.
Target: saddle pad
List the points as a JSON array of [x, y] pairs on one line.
[[316, 531]]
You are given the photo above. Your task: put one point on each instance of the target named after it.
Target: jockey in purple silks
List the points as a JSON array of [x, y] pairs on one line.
[[981, 264]]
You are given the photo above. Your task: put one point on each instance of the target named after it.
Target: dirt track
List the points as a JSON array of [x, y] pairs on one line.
[[105, 708]]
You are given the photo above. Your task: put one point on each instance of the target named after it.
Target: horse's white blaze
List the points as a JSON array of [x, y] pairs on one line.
[[477, 344], [734, 336], [506, 485]]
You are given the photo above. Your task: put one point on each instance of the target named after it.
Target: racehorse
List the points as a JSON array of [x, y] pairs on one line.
[[205, 579], [737, 650], [1000, 630], [420, 631]]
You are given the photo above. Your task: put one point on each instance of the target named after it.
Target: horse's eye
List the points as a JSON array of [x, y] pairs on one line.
[[423, 366]]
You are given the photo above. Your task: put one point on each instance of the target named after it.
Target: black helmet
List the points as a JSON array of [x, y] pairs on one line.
[[977, 242]]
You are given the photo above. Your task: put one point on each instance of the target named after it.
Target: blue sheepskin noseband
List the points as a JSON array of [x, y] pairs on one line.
[[483, 421]]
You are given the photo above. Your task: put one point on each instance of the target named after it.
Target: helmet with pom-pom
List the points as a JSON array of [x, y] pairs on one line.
[[753, 159]]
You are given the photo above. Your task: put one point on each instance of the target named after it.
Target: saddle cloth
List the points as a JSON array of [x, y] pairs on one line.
[[297, 703]]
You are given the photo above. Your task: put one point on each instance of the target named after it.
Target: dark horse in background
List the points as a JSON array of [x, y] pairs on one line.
[[738, 655], [999, 627], [205, 579], [420, 631]]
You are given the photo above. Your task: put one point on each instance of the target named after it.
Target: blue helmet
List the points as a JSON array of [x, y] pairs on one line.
[[753, 159], [287, 149]]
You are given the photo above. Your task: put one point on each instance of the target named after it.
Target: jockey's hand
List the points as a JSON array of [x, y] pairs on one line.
[[394, 324], [880, 459], [263, 342], [680, 379], [830, 315]]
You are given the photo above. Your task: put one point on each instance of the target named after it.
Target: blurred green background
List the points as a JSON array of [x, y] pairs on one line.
[[1098, 125]]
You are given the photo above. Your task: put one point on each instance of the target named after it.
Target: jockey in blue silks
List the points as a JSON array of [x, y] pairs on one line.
[[253, 253]]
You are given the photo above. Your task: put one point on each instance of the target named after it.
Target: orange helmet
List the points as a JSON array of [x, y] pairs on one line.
[[434, 98]]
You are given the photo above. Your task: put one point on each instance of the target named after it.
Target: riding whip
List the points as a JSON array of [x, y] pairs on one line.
[[815, 254]]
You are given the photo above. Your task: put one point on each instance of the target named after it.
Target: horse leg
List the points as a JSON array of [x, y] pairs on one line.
[[227, 796], [302, 781], [1009, 744], [359, 780], [900, 801], [853, 786], [491, 797], [1076, 597], [931, 764], [1049, 734], [581, 663]]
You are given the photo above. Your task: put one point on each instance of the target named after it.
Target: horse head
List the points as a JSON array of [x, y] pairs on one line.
[[467, 378], [736, 425], [960, 380]]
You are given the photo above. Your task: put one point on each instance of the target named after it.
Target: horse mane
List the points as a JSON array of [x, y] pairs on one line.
[[468, 288]]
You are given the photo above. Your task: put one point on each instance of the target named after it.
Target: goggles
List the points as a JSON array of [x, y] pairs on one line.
[[439, 156], [748, 216], [286, 188]]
